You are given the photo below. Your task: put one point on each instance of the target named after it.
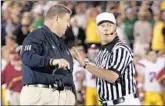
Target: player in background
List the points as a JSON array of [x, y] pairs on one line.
[[153, 90], [161, 80], [84, 81], [139, 71], [78, 76], [91, 96], [12, 77], [161, 74]]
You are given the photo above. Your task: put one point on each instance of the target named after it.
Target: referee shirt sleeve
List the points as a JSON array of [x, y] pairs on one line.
[[119, 60]]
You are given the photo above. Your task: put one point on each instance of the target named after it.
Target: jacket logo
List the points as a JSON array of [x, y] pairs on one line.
[[53, 47], [27, 48]]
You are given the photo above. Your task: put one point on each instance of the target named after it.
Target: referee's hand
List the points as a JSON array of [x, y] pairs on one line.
[[78, 57]]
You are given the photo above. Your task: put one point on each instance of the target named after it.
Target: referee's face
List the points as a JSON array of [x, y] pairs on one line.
[[107, 32]]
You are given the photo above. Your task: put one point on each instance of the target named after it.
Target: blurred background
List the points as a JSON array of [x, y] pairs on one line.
[[140, 24]]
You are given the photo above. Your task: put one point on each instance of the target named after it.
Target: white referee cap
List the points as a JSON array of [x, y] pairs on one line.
[[105, 16]]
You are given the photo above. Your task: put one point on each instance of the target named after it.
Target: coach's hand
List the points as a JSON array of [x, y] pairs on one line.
[[62, 63], [78, 57]]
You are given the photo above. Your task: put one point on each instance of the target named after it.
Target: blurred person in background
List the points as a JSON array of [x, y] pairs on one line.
[[134, 6], [139, 71], [155, 6], [162, 6], [91, 33], [122, 7], [80, 14], [78, 75], [5, 16], [11, 22], [5, 60], [163, 30], [27, 15], [37, 19], [26, 6], [10, 42], [16, 8], [152, 89], [145, 4], [12, 76], [112, 6], [23, 30], [43, 6], [9, 18], [70, 5], [9, 26], [5, 57], [158, 40], [161, 80], [91, 95], [86, 82], [74, 34], [142, 34], [5, 5], [39, 6], [16, 20], [161, 74], [129, 22], [120, 30]]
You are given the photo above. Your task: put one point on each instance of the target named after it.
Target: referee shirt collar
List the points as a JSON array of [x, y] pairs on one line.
[[111, 44]]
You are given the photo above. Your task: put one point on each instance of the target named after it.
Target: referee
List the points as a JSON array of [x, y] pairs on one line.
[[116, 84]]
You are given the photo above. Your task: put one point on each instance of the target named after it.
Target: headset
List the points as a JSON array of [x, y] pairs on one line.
[[58, 81]]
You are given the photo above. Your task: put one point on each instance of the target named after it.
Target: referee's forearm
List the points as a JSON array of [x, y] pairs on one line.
[[107, 75]]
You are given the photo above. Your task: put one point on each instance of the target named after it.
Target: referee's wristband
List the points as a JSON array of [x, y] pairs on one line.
[[86, 63]]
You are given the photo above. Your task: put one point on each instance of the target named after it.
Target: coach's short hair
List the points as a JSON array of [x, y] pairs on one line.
[[57, 10]]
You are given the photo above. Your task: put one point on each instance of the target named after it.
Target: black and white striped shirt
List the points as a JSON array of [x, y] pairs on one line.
[[116, 56]]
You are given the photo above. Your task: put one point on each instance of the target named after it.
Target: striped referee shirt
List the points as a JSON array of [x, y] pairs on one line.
[[118, 57]]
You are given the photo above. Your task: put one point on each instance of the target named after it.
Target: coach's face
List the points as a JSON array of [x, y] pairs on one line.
[[107, 32], [63, 22]]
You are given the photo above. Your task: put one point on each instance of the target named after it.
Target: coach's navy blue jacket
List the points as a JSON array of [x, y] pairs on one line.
[[38, 48]]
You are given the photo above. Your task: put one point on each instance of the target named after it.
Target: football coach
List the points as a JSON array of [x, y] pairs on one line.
[[47, 62]]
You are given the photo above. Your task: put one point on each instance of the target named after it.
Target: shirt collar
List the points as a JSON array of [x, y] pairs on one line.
[[57, 39], [47, 29], [111, 44]]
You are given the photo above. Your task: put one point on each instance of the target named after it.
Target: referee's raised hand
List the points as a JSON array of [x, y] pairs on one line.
[[78, 57]]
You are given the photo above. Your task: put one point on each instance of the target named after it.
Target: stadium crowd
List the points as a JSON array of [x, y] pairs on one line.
[[140, 24]]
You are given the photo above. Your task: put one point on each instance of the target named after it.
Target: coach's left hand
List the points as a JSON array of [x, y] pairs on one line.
[[78, 57]]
